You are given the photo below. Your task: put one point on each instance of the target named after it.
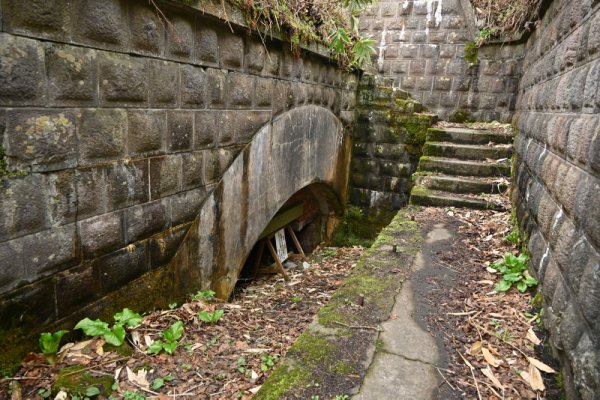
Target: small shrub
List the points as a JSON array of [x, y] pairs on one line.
[[514, 272], [171, 337], [210, 317]]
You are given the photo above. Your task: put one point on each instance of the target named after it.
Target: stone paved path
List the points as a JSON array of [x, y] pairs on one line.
[[405, 365]]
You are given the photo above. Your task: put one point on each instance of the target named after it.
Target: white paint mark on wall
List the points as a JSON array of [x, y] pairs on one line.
[[543, 258], [435, 14], [381, 50], [556, 220]]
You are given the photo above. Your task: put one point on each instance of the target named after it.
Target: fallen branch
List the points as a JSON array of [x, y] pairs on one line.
[[445, 380], [472, 374], [95, 366]]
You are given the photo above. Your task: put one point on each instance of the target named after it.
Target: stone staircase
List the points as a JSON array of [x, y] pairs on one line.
[[463, 167]]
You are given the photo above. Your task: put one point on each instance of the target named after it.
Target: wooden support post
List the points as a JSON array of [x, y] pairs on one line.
[[296, 242], [276, 258], [261, 249]]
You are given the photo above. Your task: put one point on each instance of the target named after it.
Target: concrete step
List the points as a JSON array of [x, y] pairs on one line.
[[461, 184], [424, 197], [467, 151], [463, 167], [465, 135]]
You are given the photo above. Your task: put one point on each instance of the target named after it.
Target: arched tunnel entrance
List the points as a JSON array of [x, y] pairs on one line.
[[301, 156], [306, 219]]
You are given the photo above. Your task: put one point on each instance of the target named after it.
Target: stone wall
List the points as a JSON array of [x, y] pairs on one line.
[[421, 45], [557, 176], [115, 129]]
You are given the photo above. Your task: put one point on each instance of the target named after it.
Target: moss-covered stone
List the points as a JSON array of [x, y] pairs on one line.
[[75, 380], [360, 227], [283, 379], [471, 53], [461, 117]]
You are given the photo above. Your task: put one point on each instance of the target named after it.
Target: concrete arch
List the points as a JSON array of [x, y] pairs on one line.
[[301, 147]]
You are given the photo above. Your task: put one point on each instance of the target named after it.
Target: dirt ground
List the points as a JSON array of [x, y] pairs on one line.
[[494, 341]]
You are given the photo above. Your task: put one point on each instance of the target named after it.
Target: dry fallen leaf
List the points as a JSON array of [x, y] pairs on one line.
[[254, 390], [540, 365], [535, 379], [533, 337], [476, 348], [62, 395], [489, 358], [488, 372], [139, 377]]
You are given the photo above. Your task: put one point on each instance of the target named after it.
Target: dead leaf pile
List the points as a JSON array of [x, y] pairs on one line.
[[491, 339], [226, 360]]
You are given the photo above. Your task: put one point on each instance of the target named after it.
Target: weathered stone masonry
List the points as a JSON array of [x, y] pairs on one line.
[[115, 132], [557, 182]]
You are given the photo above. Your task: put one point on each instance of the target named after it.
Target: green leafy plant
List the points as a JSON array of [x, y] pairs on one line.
[[160, 382], [210, 317], [241, 364], [135, 395], [115, 335], [514, 272], [49, 343], [361, 51], [513, 237], [296, 299], [342, 397], [268, 361], [204, 295], [172, 306], [44, 393], [170, 342]]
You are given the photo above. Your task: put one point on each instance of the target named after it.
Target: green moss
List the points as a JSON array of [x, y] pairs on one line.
[[360, 228], [124, 350], [537, 300], [312, 348], [75, 380], [461, 117], [471, 53], [16, 345], [342, 367], [420, 191], [283, 379], [4, 172]]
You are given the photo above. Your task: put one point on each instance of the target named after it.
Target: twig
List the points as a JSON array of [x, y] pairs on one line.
[[459, 314], [472, 374], [144, 389], [97, 365], [444, 378], [374, 328], [25, 378]]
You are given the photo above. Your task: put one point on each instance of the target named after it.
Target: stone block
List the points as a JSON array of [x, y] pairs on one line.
[[180, 39], [580, 137], [193, 169], [440, 37], [61, 196], [101, 23], [591, 95], [231, 50], [255, 56], [571, 327], [146, 29], [23, 208], [75, 288], [22, 74], [206, 129], [163, 247], [263, 93], [419, 37], [248, 123], [121, 267], [223, 159], [164, 81], [72, 75], [48, 251], [165, 176], [409, 50], [123, 80], [586, 215], [127, 184], [424, 83], [417, 67], [593, 44], [449, 50], [102, 135], [40, 18], [442, 83], [12, 269], [180, 130], [240, 90], [92, 191], [41, 140], [589, 288], [186, 206], [144, 220], [216, 82], [586, 367], [101, 234], [145, 132], [207, 44], [594, 155], [273, 61]]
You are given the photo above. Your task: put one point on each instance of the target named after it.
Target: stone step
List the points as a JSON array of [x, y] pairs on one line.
[[461, 184], [467, 151], [465, 135], [424, 197], [463, 167]]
